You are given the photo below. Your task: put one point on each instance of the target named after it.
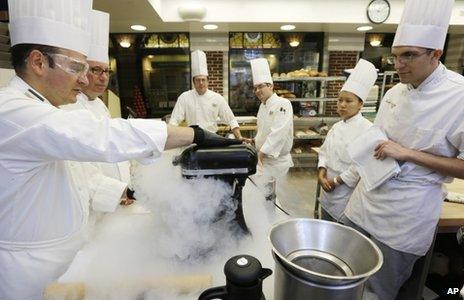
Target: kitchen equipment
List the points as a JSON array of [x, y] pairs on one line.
[[288, 285], [244, 280], [321, 257], [231, 164]]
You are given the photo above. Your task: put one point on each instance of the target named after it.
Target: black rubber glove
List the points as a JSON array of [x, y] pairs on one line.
[[203, 137]]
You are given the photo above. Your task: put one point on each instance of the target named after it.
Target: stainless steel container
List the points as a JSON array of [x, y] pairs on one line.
[[314, 257], [289, 286]]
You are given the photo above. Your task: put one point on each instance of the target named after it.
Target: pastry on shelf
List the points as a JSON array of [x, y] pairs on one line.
[[288, 96], [313, 73], [322, 74]]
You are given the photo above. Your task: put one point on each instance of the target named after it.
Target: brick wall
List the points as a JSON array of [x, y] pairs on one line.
[[338, 61], [215, 65]]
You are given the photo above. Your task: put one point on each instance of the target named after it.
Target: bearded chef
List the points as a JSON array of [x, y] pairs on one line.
[[334, 161], [42, 212], [423, 119], [274, 136], [110, 180], [201, 106]]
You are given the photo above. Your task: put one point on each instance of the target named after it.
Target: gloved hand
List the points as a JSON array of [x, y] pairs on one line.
[[203, 137]]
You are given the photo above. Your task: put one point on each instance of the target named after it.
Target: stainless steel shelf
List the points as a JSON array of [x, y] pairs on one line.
[[312, 99], [310, 137], [328, 78]]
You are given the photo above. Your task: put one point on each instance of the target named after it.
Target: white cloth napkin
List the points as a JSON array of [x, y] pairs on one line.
[[373, 172]]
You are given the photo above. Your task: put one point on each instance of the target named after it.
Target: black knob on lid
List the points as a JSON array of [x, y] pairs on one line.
[[243, 270]]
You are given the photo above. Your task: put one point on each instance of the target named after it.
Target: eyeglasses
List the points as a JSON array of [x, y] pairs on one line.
[[406, 57], [99, 71], [68, 64], [261, 86]]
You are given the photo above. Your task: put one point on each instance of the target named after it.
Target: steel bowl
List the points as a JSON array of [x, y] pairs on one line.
[[324, 252]]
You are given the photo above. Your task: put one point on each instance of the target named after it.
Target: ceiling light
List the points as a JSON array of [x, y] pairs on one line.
[[364, 28], [191, 12], [294, 43], [375, 43], [287, 27], [138, 27], [125, 44], [210, 26]]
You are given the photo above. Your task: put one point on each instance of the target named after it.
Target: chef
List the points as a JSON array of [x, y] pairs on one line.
[[111, 180], [422, 117], [41, 207], [201, 106], [274, 136], [334, 161]]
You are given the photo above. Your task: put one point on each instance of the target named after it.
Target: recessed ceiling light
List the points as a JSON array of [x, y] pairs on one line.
[[287, 27], [125, 44], [210, 26], [138, 27], [364, 28]]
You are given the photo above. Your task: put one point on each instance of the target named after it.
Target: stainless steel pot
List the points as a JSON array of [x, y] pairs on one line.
[[290, 286], [325, 253]]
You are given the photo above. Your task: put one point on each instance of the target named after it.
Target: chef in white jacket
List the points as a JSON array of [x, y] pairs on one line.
[[201, 106], [113, 178], [334, 161], [42, 211], [423, 119], [274, 136]]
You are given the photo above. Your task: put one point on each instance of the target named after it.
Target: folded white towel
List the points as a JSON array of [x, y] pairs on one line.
[[373, 172]]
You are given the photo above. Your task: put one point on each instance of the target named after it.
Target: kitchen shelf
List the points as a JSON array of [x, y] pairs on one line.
[[311, 99], [310, 137], [328, 78], [304, 155]]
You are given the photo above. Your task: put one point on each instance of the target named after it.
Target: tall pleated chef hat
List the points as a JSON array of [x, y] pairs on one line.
[[99, 31], [199, 65], [57, 23], [361, 79], [424, 23], [260, 71]]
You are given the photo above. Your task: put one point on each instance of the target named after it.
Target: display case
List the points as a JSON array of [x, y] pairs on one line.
[[284, 51], [311, 124]]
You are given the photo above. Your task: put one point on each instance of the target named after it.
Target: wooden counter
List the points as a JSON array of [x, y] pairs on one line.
[[452, 214]]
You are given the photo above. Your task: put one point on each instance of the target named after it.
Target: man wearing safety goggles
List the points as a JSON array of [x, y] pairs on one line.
[[43, 206]]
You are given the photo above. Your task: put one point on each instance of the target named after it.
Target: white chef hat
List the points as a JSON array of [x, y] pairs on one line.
[[99, 31], [361, 79], [58, 23], [424, 23], [199, 65], [260, 71]]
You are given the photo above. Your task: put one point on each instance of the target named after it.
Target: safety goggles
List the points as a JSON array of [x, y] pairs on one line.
[[68, 64], [407, 57]]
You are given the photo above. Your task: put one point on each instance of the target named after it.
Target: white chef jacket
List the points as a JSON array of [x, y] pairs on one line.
[[42, 208], [403, 212], [202, 110], [334, 157], [120, 171], [274, 135]]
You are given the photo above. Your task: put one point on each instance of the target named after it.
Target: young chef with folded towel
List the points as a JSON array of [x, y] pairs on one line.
[[423, 119], [334, 161]]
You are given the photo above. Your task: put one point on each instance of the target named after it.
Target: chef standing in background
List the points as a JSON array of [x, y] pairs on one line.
[[334, 161], [274, 136], [201, 106], [111, 180], [423, 119], [42, 212]]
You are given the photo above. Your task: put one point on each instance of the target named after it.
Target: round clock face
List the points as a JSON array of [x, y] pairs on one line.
[[378, 11]]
